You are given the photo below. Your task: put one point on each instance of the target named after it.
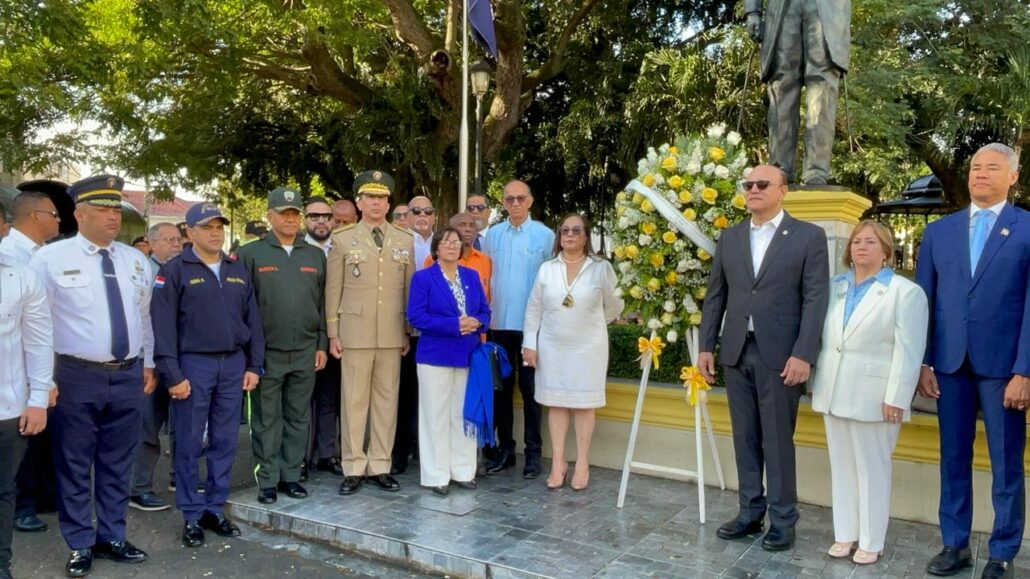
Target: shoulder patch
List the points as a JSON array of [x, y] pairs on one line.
[[403, 229]]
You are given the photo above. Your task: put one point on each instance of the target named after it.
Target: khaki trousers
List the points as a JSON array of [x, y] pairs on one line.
[[369, 390]]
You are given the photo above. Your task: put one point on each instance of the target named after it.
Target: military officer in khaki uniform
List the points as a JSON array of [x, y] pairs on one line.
[[367, 278]]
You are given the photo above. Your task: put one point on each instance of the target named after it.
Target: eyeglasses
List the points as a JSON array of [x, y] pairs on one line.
[[450, 243], [513, 199], [416, 211], [173, 240], [320, 216], [762, 185], [475, 208], [53, 214], [399, 214], [574, 230]]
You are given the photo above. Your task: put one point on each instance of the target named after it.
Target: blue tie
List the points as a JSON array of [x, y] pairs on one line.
[[978, 239], [115, 309], [476, 244]]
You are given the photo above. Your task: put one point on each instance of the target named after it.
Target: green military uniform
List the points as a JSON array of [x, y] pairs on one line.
[[366, 297], [290, 294]]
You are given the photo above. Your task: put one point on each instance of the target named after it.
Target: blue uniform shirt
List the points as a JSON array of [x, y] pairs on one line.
[[197, 313], [857, 292], [516, 253]]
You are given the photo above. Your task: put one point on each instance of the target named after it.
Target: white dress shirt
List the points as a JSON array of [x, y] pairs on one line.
[[422, 249], [17, 248], [26, 343], [72, 275], [761, 237], [326, 245]]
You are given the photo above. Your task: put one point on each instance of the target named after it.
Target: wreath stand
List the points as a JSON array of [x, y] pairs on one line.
[[700, 412]]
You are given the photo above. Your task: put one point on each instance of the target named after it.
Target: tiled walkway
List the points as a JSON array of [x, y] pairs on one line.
[[511, 527]]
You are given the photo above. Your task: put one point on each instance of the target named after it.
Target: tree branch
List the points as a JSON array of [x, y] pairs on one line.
[[328, 78], [410, 28], [554, 64], [450, 43]]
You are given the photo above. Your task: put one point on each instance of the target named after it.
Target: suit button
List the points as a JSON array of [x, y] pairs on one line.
[[380, 289], [838, 348], [380, 260], [380, 301], [971, 296], [754, 292]]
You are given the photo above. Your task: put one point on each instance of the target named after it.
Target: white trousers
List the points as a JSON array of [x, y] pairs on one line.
[[445, 453], [860, 470]]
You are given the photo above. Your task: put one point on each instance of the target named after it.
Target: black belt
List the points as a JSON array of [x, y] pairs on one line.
[[108, 366]]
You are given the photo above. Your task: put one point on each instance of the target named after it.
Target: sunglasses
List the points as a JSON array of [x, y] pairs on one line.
[[574, 230], [512, 199], [399, 214], [762, 185], [475, 208], [416, 211], [53, 214], [320, 216]]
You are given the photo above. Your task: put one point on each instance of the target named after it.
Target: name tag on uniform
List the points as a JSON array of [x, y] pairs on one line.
[[309, 269], [235, 280], [196, 280], [267, 268]]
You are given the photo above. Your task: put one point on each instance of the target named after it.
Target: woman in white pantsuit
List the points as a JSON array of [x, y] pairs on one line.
[[872, 348]]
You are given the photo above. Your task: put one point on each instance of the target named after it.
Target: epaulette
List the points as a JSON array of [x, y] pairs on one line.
[[343, 228], [404, 230]]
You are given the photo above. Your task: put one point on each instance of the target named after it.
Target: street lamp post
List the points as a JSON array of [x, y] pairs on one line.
[[480, 73]]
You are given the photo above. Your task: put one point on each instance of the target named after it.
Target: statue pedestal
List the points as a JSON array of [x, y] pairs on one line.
[[835, 209]]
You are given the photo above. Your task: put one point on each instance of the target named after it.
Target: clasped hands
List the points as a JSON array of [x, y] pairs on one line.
[[468, 325], [795, 372]]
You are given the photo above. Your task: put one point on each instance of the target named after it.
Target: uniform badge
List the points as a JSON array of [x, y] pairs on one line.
[[356, 272], [139, 268], [110, 182], [1004, 231], [377, 175], [289, 195]]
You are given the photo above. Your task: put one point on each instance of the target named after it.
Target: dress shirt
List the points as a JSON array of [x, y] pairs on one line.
[[17, 248], [70, 271], [422, 249], [855, 293], [761, 237], [325, 245], [27, 349], [973, 209], [516, 253]]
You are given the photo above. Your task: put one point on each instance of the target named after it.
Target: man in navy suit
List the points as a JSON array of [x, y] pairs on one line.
[[975, 268]]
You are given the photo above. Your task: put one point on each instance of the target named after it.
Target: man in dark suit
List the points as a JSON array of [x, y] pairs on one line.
[[770, 277], [974, 266]]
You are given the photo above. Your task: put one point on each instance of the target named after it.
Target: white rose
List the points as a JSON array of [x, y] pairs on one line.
[[669, 306], [681, 266], [709, 168], [733, 138], [716, 131], [653, 324], [644, 239], [623, 223], [658, 179], [747, 172], [693, 167], [618, 292], [672, 336], [652, 156], [624, 266], [722, 172]]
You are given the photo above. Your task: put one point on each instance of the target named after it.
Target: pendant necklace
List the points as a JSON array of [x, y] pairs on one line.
[[568, 301]]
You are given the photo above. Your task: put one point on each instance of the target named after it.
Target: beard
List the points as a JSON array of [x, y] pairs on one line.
[[320, 234]]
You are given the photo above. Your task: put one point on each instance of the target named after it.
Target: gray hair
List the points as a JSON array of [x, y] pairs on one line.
[[1010, 155], [25, 202], [153, 234]]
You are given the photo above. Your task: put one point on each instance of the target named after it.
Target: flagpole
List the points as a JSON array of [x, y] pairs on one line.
[[463, 145]]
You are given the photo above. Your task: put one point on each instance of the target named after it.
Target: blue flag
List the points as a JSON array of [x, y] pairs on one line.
[[481, 18]]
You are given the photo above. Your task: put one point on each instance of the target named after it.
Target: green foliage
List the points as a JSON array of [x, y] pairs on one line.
[[623, 356]]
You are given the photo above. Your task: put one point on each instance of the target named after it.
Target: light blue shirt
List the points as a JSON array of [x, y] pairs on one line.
[[857, 292], [516, 253]]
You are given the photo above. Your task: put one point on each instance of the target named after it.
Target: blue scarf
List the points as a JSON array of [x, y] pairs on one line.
[[479, 393]]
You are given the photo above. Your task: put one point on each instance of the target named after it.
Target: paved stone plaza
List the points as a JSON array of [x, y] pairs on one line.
[[511, 527]]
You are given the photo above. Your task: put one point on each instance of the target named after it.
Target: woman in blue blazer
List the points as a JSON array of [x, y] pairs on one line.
[[447, 304]]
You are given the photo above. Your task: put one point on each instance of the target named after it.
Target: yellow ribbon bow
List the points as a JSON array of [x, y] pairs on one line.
[[654, 347], [694, 382]]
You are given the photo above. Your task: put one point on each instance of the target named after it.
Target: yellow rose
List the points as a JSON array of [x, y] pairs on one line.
[[667, 319], [619, 252], [648, 180], [669, 236], [700, 293], [703, 255], [669, 163], [721, 222], [646, 206], [673, 150], [716, 154], [657, 259], [621, 196], [653, 284], [636, 292], [632, 251], [620, 210], [675, 181], [709, 195], [739, 201], [695, 319], [671, 278], [685, 196], [638, 198], [690, 214], [648, 227]]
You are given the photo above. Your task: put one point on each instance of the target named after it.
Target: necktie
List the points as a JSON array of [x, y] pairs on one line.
[[978, 239], [115, 309], [476, 244], [377, 236]]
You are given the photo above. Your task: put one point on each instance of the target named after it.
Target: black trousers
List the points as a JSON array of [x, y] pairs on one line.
[[407, 408], [324, 435], [504, 414], [763, 412], [12, 448], [35, 482]]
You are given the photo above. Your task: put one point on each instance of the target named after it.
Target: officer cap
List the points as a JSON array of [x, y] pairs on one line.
[[284, 198], [374, 184], [99, 190], [204, 213]]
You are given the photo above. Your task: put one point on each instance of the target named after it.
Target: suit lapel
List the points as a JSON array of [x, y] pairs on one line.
[[780, 238], [995, 239], [869, 302], [441, 284], [745, 243], [836, 313]]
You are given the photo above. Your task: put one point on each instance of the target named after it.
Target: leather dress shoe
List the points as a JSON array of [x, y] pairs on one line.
[[148, 501], [29, 524], [192, 534], [441, 490], [304, 471], [119, 552], [350, 485], [738, 528], [293, 490], [267, 496], [385, 482], [532, 469], [398, 467], [778, 538], [330, 465], [502, 460], [469, 485], [220, 524], [950, 561], [997, 569], [79, 564]]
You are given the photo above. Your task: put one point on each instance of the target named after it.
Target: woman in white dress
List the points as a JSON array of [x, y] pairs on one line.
[[566, 339]]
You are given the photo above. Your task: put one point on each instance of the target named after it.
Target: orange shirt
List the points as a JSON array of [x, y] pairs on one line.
[[478, 261]]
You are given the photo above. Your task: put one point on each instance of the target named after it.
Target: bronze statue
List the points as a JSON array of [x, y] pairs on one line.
[[804, 42]]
